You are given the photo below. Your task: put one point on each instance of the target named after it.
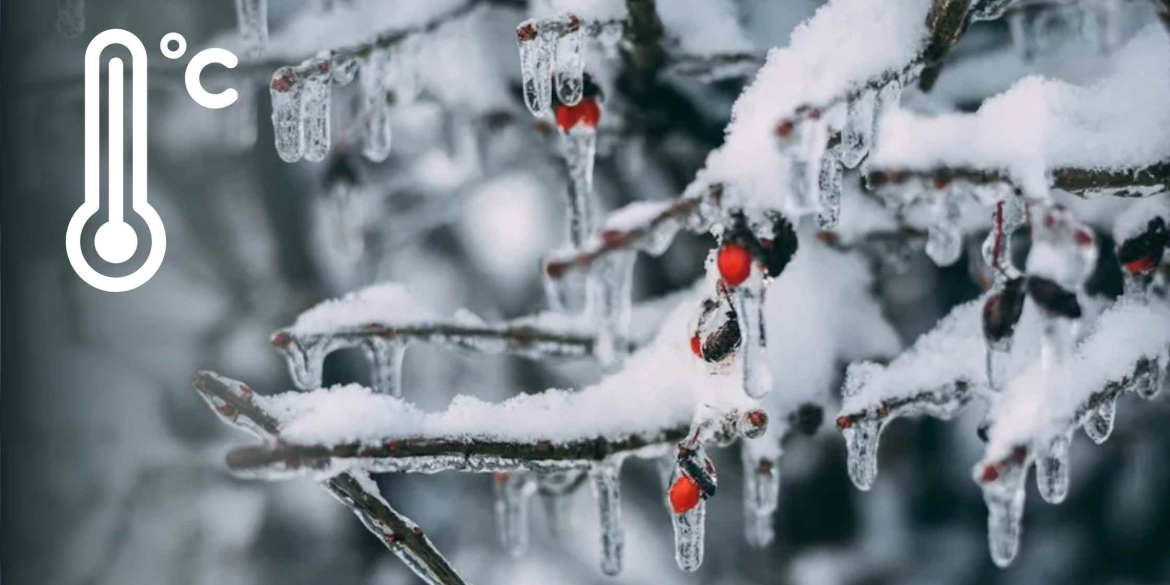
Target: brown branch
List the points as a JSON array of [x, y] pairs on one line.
[[1085, 183], [942, 402], [515, 339], [234, 403], [612, 241]]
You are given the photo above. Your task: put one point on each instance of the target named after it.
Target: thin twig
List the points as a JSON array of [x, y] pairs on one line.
[[1140, 181], [234, 403]]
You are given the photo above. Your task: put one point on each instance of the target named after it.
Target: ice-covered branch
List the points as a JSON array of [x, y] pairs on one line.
[[1139, 181], [238, 406]]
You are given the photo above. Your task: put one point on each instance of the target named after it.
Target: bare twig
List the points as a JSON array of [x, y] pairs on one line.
[[235, 404]]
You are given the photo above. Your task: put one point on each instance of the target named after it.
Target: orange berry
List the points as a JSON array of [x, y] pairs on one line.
[[585, 112], [735, 263], [684, 494], [697, 346]]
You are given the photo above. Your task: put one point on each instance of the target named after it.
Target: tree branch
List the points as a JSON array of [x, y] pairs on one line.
[[1140, 181], [234, 403]]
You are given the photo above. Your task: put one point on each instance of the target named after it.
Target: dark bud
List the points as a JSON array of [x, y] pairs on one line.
[[983, 431], [703, 472], [782, 247], [724, 341], [1143, 252], [1002, 311], [1053, 298], [808, 418]]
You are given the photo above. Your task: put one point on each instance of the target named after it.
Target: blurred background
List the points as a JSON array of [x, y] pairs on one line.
[[113, 468]]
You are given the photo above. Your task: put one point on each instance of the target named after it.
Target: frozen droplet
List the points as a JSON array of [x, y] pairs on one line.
[[607, 490], [287, 91], [318, 94], [376, 146], [1148, 377], [689, 528], [749, 308], [861, 443], [306, 360], [761, 496], [71, 17], [855, 137], [611, 299], [386, 357], [579, 148], [829, 185], [536, 60], [252, 22], [1004, 497], [570, 63], [513, 492], [344, 69], [1099, 424], [944, 240], [1052, 470]]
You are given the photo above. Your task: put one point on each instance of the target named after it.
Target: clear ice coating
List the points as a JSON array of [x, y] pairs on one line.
[[861, 443], [829, 184], [855, 136], [804, 163], [536, 62], [612, 302], [579, 149], [376, 144], [607, 490], [1007, 215], [888, 96], [1004, 497], [761, 496], [386, 358], [944, 239], [287, 92], [316, 113], [749, 307], [1149, 377], [556, 490], [71, 17], [306, 360], [252, 21], [1099, 424], [1052, 469], [570, 63], [513, 492], [689, 528]]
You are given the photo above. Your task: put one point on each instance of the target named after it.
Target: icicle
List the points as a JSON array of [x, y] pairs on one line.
[[287, 92], [1149, 378], [749, 309], [570, 63], [829, 185], [689, 529], [556, 489], [944, 240], [1003, 492], [306, 362], [1019, 24], [612, 304], [579, 148], [71, 17], [861, 442], [317, 98], [536, 60], [805, 161], [400, 72], [565, 293], [1052, 470], [607, 490], [888, 96], [761, 496], [376, 146], [386, 357], [855, 137], [252, 21], [513, 491], [1099, 425]]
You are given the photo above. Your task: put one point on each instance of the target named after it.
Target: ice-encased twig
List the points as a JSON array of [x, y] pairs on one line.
[[1139, 181], [236, 405]]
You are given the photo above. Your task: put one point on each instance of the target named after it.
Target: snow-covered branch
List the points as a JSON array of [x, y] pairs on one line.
[[239, 407]]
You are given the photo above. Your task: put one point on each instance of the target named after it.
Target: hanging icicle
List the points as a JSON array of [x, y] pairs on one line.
[[1003, 492], [252, 21], [611, 300], [317, 98], [386, 358], [570, 62], [830, 182], [513, 492], [288, 125], [761, 493], [607, 489], [376, 114]]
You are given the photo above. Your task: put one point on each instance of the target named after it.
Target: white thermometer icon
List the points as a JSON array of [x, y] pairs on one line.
[[115, 240]]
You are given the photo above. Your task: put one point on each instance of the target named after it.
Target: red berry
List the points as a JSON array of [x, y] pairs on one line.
[[735, 263], [1141, 265], [844, 422], [586, 112], [990, 474], [684, 495], [784, 128], [1084, 237], [697, 346]]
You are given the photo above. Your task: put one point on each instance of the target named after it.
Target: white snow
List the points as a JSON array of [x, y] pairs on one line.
[[384, 304], [1040, 124]]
